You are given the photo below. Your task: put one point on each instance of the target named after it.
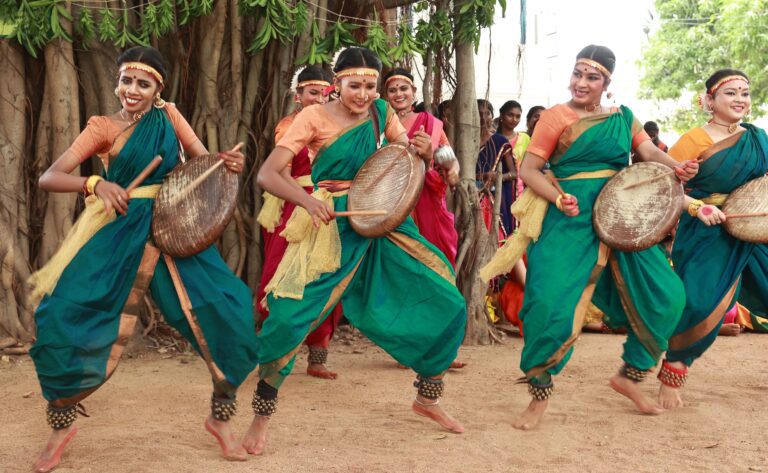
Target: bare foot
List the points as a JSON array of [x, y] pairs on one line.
[[456, 364], [627, 387], [320, 371], [50, 457], [428, 408], [669, 397], [222, 431], [256, 438], [596, 327], [532, 415], [730, 330]]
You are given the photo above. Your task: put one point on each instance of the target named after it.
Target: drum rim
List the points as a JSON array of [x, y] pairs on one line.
[[672, 216], [732, 226], [229, 207], [408, 200]]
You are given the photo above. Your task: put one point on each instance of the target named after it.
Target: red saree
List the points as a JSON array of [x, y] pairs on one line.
[[274, 248], [431, 214]]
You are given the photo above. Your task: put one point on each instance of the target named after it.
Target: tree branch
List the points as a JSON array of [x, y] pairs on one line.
[[389, 3]]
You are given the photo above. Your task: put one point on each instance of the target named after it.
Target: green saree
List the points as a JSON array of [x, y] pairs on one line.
[[398, 290], [754, 288], [85, 322], [638, 291], [708, 259]]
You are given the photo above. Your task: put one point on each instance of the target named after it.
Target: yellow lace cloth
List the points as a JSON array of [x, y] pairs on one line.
[[311, 252], [93, 219]]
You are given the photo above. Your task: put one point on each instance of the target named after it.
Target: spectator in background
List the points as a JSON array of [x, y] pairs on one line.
[[652, 128], [532, 118]]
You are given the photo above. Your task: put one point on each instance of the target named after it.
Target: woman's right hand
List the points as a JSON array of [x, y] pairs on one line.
[[319, 211], [569, 205], [113, 196], [710, 215]]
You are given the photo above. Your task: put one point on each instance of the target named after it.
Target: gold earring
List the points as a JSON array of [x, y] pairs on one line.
[[376, 96], [159, 102], [117, 92]]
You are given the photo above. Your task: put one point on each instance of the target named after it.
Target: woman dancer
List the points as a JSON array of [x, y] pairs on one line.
[[398, 290], [310, 90], [431, 215], [709, 260], [89, 309], [585, 143]]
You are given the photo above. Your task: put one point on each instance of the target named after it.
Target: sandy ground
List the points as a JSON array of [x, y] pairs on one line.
[[149, 416]]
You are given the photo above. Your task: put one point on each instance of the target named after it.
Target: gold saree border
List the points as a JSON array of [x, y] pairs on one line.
[[336, 137], [702, 329], [574, 131], [186, 307], [426, 256], [633, 315], [721, 145], [127, 324], [579, 313], [270, 372]]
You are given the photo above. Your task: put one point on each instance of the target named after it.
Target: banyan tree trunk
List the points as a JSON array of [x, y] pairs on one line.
[[476, 245]]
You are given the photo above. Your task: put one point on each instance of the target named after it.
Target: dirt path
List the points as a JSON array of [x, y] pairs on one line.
[[149, 417]]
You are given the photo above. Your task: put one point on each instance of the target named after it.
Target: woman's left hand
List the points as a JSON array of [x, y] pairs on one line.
[[423, 144], [687, 170], [451, 175], [233, 159]]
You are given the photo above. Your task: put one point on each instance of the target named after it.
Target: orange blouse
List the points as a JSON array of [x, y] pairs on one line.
[[100, 133], [556, 120], [313, 127], [691, 145], [283, 125]]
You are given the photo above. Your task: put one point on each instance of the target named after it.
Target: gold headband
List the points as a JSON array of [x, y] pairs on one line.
[[321, 83], [722, 82], [401, 77], [358, 71], [596, 65], [142, 67]]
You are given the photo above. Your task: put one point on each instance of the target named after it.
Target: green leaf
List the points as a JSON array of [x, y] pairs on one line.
[[107, 26], [85, 26], [378, 42], [185, 12]]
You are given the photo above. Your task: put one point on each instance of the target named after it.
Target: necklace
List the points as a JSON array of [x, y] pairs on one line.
[[344, 106], [404, 113], [593, 108], [730, 127], [136, 116]]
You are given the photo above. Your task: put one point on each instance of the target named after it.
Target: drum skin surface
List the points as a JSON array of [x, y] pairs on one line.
[[752, 197], [638, 218], [195, 222], [391, 179]]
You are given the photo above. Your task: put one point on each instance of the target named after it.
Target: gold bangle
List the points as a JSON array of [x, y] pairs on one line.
[[693, 208], [90, 184], [558, 202]]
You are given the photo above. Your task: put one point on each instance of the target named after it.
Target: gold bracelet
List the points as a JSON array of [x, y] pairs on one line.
[[693, 208], [558, 202], [90, 183]]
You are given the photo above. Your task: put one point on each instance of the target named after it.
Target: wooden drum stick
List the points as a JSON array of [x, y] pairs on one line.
[[144, 173], [746, 215], [360, 213], [199, 179], [652, 179]]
